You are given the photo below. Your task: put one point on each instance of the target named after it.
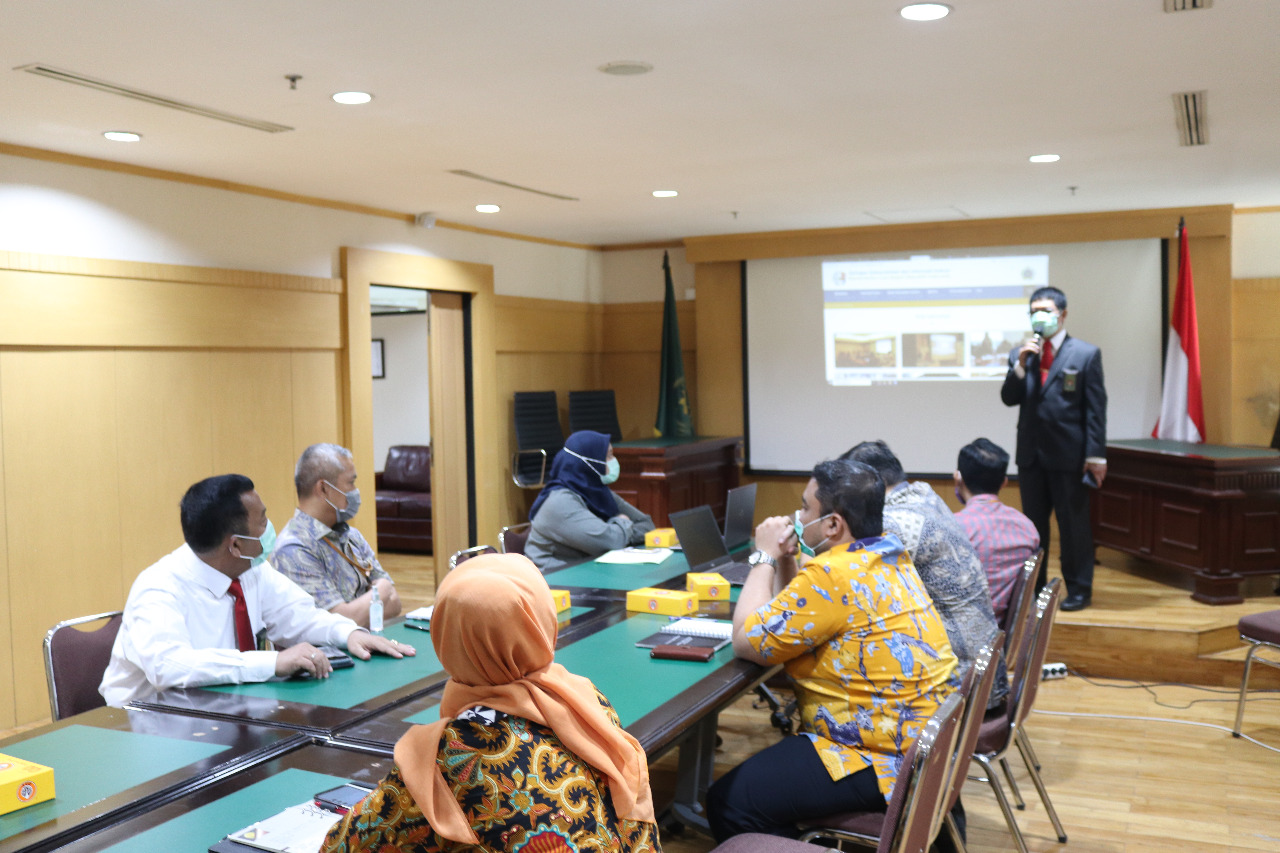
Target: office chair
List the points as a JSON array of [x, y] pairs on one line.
[[538, 437], [594, 410], [75, 661]]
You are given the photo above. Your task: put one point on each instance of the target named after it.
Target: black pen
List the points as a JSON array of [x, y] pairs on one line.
[[415, 626]]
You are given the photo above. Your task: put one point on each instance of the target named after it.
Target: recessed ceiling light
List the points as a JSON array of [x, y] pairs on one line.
[[925, 11], [487, 208], [626, 68], [352, 97], [122, 136], [1044, 158], [665, 193]]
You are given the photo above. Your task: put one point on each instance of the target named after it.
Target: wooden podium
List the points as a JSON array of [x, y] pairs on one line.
[[662, 475], [1207, 509]]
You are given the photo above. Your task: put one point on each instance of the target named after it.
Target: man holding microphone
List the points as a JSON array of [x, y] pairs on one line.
[[1057, 382]]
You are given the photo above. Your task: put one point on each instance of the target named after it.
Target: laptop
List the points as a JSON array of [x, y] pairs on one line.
[[704, 546], [739, 516]]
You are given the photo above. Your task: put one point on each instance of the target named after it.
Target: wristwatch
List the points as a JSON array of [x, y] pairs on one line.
[[758, 557]]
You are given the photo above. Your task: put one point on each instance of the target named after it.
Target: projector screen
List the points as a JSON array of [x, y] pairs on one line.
[[912, 348]]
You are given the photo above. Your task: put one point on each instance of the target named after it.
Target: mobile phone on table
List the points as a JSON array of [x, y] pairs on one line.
[[342, 798]]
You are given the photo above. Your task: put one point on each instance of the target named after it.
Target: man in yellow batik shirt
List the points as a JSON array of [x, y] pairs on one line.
[[863, 643]]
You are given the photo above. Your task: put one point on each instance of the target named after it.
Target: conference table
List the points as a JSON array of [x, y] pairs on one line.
[[198, 819], [112, 764], [323, 706], [197, 764]]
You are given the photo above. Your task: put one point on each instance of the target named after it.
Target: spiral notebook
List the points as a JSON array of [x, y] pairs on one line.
[[711, 634]]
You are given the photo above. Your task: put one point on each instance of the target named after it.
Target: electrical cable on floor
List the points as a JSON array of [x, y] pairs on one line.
[[1153, 720], [1134, 684]]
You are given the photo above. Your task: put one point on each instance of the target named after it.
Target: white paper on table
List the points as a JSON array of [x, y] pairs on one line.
[[635, 556]]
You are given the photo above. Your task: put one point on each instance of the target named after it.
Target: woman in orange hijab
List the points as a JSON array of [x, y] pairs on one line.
[[526, 756]]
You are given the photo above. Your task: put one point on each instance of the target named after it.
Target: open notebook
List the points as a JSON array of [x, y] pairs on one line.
[[697, 633]]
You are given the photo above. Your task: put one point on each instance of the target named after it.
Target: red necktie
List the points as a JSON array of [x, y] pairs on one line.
[[244, 631], [1046, 362]]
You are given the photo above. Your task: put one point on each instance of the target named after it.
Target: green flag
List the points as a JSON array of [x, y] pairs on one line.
[[674, 418]]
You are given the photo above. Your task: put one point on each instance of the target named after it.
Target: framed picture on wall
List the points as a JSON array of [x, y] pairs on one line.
[[379, 366]]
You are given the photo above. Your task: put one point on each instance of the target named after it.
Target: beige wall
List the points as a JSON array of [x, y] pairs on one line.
[[120, 385]]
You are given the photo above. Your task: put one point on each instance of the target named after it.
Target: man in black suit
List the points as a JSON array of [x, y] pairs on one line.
[[1062, 436]]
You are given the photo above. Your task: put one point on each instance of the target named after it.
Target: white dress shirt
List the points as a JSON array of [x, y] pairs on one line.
[[179, 627]]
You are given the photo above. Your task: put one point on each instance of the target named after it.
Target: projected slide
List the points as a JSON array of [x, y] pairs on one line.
[[922, 318]]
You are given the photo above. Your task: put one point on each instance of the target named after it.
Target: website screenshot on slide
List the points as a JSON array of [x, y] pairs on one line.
[[922, 318]]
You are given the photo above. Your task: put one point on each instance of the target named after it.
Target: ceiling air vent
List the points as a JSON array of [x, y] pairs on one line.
[[464, 173], [1186, 5], [1193, 121], [158, 100]]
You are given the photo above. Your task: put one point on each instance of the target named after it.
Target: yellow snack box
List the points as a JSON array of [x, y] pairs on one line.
[[561, 598], [669, 602], [23, 783], [662, 537], [708, 586]]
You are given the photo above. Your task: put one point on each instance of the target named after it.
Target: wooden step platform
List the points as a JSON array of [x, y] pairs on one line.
[[1144, 625]]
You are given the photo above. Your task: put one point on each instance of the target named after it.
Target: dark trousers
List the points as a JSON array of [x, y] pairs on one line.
[[1064, 494], [786, 784]]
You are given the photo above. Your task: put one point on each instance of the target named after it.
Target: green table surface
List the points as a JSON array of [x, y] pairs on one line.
[[197, 830], [593, 574], [1186, 448], [347, 688], [90, 764], [635, 683]]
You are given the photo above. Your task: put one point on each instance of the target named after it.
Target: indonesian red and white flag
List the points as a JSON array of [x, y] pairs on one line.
[[1182, 406]]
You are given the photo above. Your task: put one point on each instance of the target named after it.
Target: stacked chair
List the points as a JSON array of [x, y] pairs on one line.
[[1001, 732]]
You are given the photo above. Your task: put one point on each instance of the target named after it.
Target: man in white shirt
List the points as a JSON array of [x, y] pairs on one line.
[[192, 618]]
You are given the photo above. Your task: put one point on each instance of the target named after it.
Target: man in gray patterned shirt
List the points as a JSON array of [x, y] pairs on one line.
[[319, 551], [943, 556]]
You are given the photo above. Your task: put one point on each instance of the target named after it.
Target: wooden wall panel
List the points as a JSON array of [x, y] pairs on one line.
[[449, 516], [52, 309], [253, 424], [1255, 359], [316, 414], [546, 325], [1210, 221], [8, 718], [634, 378], [63, 501], [164, 413], [719, 327]]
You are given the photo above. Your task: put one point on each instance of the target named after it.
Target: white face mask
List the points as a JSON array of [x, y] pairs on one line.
[[612, 468]]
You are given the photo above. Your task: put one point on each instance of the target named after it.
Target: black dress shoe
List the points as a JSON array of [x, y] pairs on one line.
[[1076, 602]]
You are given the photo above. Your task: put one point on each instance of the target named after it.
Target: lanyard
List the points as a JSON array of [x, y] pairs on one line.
[[364, 570]]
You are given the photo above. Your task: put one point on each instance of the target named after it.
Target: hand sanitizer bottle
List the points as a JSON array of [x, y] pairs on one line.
[[375, 612]]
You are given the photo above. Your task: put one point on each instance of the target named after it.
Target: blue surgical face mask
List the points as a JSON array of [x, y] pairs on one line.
[[268, 542], [1044, 323], [353, 503], [800, 528]]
